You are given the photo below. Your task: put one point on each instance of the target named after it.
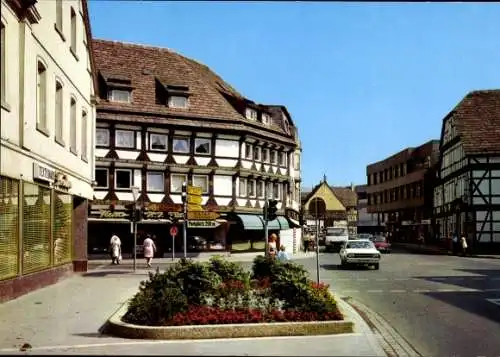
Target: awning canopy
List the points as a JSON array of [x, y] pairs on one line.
[[108, 220], [274, 224], [251, 222], [283, 222], [294, 223]]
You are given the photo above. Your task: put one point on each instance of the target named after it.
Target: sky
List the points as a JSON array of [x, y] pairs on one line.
[[362, 81]]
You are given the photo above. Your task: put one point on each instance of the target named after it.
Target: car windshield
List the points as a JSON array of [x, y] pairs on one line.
[[359, 244], [336, 232]]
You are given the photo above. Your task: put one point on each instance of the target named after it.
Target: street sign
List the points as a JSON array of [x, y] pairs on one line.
[[195, 200], [202, 224], [194, 208], [203, 215], [194, 190], [173, 231]]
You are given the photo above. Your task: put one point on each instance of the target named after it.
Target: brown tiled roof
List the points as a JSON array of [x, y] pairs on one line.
[[478, 122], [147, 66], [346, 196]]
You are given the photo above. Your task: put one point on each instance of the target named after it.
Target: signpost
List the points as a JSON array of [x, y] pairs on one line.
[[173, 233], [194, 199], [202, 216]]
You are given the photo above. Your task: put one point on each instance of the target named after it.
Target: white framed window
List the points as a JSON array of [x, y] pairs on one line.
[[125, 139], [41, 92], [123, 179], [73, 30], [3, 73], [201, 181], [181, 145], [251, 188], [257, 153], [72, 124], [274, 157], [261, 189], [58, 115], [84, 135], [176, 101], [266, 119], [176, 181], [297, 161], [158, 142], [155, 181], [248, 151], [119, 95], [265, 155], [276, 191], [270, 190], [102, 177], [102, 137], [283, 158], [243, 187], [59, 15], [203, 146], [251, 114]]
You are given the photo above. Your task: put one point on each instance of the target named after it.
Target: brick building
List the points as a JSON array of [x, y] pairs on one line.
[[400, 191]]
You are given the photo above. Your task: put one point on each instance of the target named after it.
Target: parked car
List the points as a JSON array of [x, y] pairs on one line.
[[364, 236], [359, 252], [382, 244]]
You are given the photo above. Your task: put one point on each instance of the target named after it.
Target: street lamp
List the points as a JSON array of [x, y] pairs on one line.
[[184, 223], [135, 195]]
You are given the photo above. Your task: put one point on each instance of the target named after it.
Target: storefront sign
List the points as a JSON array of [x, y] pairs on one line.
[[203, 215], [153, 215], [62, 181], [109, 214], [202, 224], [293, 214], [43, 173]]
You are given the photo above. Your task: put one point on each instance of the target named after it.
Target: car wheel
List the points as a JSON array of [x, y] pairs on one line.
[[376, 266]]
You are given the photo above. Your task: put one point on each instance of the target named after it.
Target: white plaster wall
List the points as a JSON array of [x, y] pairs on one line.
[[226, 148], [226, 162], [181, 159], [202, 161], [25, 45], [223, 185], [157, 157], [127, 155], [137, 181]]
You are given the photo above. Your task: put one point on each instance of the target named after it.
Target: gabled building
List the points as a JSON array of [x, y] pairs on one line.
[[165, 119], [330, 206], [467, 196], [47, 142]]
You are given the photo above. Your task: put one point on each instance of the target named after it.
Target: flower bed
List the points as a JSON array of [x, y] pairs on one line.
[[222, 292]]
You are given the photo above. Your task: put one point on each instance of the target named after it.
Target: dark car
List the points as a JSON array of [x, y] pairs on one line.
[[382, 244], [196, 243]]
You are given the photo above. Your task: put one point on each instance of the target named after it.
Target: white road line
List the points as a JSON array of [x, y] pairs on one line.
[[421, 291], [448, 290], [349, 291], [362, 279], [494, 301], [397, 291], [381, 279], [373, 291], [402, 279]]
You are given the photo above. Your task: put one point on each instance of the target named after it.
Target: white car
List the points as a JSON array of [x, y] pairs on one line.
[[359, 252]]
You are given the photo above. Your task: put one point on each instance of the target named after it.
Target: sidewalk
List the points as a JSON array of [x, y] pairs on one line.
[[66, 318], [430, 249]]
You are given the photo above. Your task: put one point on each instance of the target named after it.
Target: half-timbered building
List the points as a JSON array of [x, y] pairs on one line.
[[467, 198], [165, 119]]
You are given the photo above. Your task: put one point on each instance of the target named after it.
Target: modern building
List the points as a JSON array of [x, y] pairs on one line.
[[400, 191], [165, 119], [467, 196], [47, 142], [367, 222], [328, 206]]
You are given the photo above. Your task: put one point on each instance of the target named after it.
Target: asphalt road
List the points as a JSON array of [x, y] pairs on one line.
[[442, 305]]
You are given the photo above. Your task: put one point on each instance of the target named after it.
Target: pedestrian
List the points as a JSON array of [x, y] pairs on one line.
[[272, 245], [463, 243], [149, 250], [283, 255], [115, 248]]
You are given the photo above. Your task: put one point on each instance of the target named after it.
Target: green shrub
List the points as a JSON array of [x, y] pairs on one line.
[[229, 271], [267, 267], [195, 278], [262, 267]]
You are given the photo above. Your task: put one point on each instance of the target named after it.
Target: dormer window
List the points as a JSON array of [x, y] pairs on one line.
[[177, 102], [119, 95], [266, 119], [286, 124], [251, 114], [172, 95]]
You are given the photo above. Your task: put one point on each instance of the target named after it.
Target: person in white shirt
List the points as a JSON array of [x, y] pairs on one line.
[[115, 245], [283, 255]]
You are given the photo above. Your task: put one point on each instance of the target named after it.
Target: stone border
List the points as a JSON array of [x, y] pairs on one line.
[[115, 326]]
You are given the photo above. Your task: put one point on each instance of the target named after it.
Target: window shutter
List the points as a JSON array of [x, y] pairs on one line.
[[9, 227], [36, 229], [63, 242]]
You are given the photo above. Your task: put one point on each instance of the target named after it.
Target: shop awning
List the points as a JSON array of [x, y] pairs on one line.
[[274, 224], [251, 222], [108, 220], [294, 223], [155, 221], [283, 222]]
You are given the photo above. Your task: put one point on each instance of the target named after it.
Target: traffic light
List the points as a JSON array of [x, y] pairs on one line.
[[184, 192], [272, 210]]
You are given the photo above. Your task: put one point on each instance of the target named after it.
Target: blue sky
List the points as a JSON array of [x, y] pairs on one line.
[[361, 80]]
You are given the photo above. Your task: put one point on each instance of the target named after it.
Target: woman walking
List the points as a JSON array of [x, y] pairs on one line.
[[149, 250], [115, 247]]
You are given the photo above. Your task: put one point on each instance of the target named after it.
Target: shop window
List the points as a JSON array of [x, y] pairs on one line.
[[9, 227], [125, 139], [102, 137], [203, 146], [101, 178], [158, 142], [123, 179], [62, 228], [36, 228], [201, 181], [181, 145], [155, 182], [176, 181], [243, 187]]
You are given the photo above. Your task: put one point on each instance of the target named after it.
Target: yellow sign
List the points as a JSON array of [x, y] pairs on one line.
[[203, 215], [194, 190], [195, 208], [194, 200], [202, 224]]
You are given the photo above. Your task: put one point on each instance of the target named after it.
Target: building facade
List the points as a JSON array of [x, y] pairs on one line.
[[164, 119], [400, 192], [367, 222], [467, 196], [46, 148], [329, 206]]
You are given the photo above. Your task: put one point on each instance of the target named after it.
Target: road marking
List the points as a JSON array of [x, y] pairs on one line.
[[373, 291], [381, 279], [397, 291], [494, 301], [448, 290], [350, 291], [421, 291], [402, 279]]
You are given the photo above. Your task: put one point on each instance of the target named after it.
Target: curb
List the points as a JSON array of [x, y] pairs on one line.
[[388, 338], [115, 326]]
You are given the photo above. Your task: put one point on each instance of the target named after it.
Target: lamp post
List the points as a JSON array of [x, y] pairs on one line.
[[184, 222], [135, 195], [317, 242]]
